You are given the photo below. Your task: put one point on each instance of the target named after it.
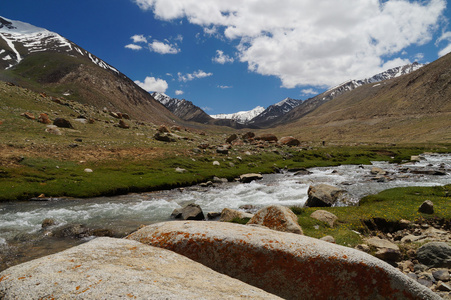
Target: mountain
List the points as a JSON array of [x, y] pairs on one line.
[[45, 61], [311, 104], [414, 108], [183, 109], [242, 117], [275, 111]]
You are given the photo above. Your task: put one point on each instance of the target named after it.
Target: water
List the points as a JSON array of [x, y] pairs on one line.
[[20, 222]]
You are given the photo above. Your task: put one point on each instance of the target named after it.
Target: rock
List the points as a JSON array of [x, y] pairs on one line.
[[87, 170], [219, 180], [267, 138], [176, 213], [363, 247], [222, 150], [192, 212], [278, 218], [28, 115], [302, 171], [289, 141], [123, 125], [248, 135], [176, 128], [216, 163], [48, 222], [385, 250], [62, 123], [324, 216], [213, 215], [44, 119], [435, 254], [116, 115], [72, 230], [125, 116], [206, 184], [164, 137], [108, 268], [427, 207], [228, 214], [289, 265], [442, 275], [378, 171], [203, 146], [180, 170], [328, 238], [322, 195], [53, 130], [443, 287], [231, 138], [163, 129], [246, 178]]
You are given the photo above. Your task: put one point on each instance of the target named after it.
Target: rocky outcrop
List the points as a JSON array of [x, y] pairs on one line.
[[278, 218], [323, 195], [289, 265], [108, 268]]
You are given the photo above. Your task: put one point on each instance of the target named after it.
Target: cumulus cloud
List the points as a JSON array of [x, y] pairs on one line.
[[446, 36], [152, 84], [133, 47], [179, 92], [163, 48], [192, 76], [309, 92], [224, 86], [221, 58], [139, 38], [312, 42]]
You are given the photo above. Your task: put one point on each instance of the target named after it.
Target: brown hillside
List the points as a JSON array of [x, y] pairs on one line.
[[413, 108]]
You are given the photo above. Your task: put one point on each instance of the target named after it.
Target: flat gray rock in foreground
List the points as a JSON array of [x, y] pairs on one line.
[[286, 264], [108, 268]]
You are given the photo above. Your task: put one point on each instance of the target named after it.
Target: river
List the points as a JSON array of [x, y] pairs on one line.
[[22, 237]]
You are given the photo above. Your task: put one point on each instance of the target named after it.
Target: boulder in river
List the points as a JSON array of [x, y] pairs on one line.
[[246, 178], [229, 214], [107, 268], [288, 265], [323, 195], [189, 212]]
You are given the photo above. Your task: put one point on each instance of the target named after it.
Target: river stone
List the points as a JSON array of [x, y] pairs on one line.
[[442, 275], [289, 265], [192, 212], [322, 195], [427, 207], [324, 216], [246, 178], [435, 254], [229, 214], [108, 268], [278, 218]]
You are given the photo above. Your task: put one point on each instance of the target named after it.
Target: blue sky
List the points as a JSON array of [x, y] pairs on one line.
[[229, 56]]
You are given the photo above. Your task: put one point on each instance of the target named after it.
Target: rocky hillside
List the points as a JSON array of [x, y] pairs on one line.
[[409, 109], [44, 61]]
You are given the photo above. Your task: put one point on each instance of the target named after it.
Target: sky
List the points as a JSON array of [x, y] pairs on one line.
[[234, 55]]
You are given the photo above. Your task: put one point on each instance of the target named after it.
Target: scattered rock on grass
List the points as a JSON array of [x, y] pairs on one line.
[[324, 216], [427, 207]]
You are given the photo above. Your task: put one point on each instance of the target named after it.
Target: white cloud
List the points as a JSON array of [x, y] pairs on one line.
[[221, 58], [308, 92], [139, 38], [419, 56], [446, 36], [206, 108], [133, 47], [163, 48], [312, 42], [225, 86], [152, 84], [192, 76], [179, 92]]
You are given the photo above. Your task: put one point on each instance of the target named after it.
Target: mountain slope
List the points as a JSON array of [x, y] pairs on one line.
[[311, 104], [414, 108], [274, 112], [44, 61]]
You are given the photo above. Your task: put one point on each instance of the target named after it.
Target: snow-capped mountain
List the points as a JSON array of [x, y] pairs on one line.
[[34, 39], [183, 109], [242, 117], [275, 111]]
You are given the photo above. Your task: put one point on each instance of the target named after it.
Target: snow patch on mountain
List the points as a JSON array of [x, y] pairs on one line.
[[241, 117], [35, 39]]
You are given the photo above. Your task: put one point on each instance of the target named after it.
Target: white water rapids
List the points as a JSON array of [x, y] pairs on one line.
[[125, 213]]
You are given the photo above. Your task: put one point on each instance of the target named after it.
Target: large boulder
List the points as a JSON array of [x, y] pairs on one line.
[[289, 265], [278, 218], [427, 207], [63, 123], [289, 141], [189, 212], [108, 268], [324, 216], [267, 137], [435, 254], [229, 214], [323, 195]]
